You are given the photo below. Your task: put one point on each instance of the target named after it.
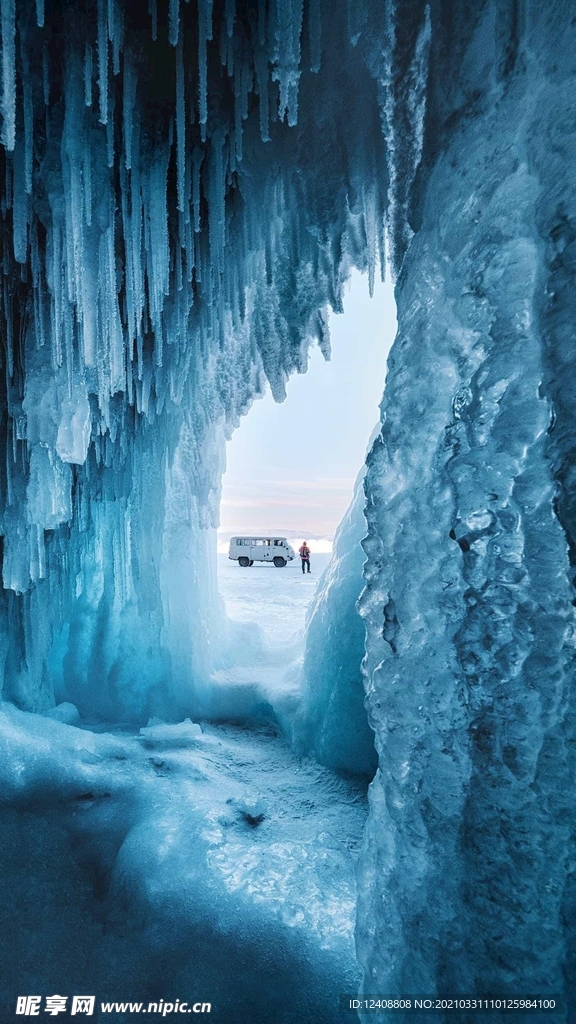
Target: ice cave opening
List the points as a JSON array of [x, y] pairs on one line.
[[288, 463], [292, 470], [185, 188]]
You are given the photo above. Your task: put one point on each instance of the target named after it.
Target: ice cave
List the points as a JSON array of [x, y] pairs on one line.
[[187, 186]]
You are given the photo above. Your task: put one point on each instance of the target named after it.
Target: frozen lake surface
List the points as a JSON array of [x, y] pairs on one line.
[[276, 599]]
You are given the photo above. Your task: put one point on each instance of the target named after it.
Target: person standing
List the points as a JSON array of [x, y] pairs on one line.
[[305, 553]]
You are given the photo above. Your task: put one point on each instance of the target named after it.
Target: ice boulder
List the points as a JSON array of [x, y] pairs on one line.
[[65, 712], [180, 734]]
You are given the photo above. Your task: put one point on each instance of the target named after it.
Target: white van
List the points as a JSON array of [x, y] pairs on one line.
[[247, 550]]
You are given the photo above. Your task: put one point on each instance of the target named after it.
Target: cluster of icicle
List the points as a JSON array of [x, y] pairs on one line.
[[114, 268], [186, 187]]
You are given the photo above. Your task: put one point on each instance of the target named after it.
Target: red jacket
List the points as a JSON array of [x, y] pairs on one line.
[[304, 551]]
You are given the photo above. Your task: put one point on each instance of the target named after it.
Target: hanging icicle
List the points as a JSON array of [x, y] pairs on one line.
[[8, 20], [103, 59], [88, 75], [287, 56], [173, 22], [229, 16], [116, 32], [45, 74], [197, 158], [204, 35], [315, 34], [128, 106], [28, 118], [180, 124], [153, 11]]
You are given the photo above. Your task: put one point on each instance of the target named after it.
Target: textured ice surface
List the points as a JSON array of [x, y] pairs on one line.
[[221, 869], [332, 719], [465, 876], [182, 196]]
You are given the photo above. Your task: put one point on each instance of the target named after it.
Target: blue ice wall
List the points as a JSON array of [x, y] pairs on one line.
[[179, 206], [465, 881], [332, 722]]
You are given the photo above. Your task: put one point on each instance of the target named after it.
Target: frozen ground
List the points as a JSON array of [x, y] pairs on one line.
[[180, 862], [183, 861], [276, 599]]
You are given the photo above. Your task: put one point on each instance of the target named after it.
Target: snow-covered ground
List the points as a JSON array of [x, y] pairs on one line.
[[177, 862], [260, 675], [186, 860], [276, 599]]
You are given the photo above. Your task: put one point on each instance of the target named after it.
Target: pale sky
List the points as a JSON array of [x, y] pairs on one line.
[[291, 467]]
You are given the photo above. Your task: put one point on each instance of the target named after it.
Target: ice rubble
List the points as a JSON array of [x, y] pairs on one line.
[[183, 196]]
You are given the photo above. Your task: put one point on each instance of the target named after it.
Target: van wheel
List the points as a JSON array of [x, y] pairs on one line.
[[244, 562], [251, 562], [279, 562]]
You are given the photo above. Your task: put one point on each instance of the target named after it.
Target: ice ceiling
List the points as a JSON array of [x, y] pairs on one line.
[[185, 191]]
